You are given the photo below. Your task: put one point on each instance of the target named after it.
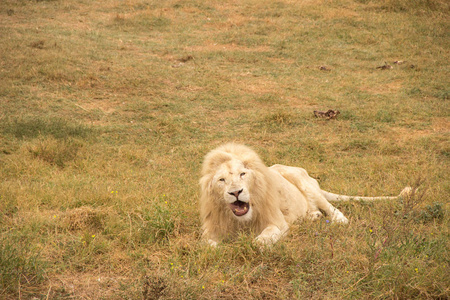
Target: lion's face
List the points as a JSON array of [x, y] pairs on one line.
[[234, 181]]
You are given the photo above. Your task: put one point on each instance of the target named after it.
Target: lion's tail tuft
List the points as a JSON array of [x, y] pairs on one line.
[[407, 192]]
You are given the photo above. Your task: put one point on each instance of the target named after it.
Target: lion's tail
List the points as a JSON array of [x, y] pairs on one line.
[[335, 197]]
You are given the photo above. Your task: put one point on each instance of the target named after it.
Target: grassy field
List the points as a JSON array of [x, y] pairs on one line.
[[107, 109]]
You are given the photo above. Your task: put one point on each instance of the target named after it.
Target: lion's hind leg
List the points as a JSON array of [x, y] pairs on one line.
[[312, 192], [320, 203], [335, 214], [317, 200]]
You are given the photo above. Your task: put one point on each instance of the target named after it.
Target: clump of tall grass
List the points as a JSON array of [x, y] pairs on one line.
[[159, 223], [56, 152], [21, 266]]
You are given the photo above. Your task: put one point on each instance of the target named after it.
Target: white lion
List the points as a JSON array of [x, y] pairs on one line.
[[239, 193]]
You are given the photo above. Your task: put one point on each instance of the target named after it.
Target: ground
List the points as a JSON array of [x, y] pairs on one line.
[[108, 108]]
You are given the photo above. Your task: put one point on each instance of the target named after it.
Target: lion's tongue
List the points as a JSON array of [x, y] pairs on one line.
[[239, 208]]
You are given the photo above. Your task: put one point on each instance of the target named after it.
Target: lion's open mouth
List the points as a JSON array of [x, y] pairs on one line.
[[239, 208]]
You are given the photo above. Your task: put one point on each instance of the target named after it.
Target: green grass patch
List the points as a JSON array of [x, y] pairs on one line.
[[33, 127], [21, 266]]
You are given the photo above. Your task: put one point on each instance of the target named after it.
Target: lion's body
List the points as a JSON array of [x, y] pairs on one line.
[[239, 193]]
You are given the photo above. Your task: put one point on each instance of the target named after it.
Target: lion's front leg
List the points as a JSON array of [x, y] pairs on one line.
[[271, 234], [210, 238]]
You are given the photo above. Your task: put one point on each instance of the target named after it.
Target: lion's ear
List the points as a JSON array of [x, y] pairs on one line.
[[252, 161], [206, 184], [213, 160]]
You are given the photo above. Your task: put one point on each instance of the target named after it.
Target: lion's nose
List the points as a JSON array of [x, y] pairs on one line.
[[236, 193]]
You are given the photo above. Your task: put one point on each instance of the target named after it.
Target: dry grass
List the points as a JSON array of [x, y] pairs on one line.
[[107, 109]]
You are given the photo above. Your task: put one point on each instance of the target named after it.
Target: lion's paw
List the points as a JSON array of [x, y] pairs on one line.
[[341, 219], [264, 240], [315, 215], [212, 243], [407, 192]]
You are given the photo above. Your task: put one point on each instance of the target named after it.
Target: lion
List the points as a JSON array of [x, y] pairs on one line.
[[240, 193]]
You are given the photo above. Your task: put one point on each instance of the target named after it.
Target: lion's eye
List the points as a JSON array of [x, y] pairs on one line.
[[222, 179], [242, 174]]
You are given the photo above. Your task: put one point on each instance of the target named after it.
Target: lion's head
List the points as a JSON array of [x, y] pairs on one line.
[[233, 180], [234, 190]]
